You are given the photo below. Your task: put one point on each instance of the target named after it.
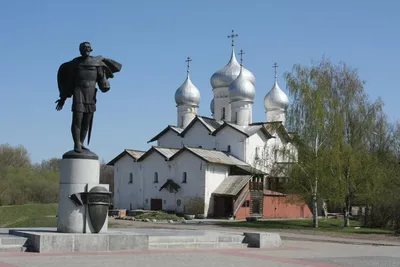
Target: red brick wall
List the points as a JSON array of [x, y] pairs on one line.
[[243, 212], [276, 207]]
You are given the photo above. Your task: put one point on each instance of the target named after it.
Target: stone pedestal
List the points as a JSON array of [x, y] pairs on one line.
[[79, 172]]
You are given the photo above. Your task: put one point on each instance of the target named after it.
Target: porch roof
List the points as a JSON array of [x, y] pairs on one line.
[[170, 184], [232, 185]]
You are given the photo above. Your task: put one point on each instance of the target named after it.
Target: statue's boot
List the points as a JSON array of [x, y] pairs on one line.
[[82, 139], [77, 141]]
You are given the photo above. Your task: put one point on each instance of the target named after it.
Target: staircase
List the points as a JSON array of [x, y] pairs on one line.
[[10, 243], [239, 201]]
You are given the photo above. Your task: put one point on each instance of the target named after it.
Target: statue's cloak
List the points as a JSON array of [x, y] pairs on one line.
[[67, 70]]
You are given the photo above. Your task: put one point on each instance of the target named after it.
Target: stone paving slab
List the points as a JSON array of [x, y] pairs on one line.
[[292, 254], [321, 238]]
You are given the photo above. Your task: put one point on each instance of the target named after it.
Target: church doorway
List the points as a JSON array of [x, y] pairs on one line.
[[223, 206], [156, 204]]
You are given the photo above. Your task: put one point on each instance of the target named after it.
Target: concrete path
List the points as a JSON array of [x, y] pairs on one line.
[[320, 238], [211, 225], [293, 253]]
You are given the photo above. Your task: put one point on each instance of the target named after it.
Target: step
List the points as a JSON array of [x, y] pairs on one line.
[[12, 248], [196, 239], [12, 240], [199, 245]]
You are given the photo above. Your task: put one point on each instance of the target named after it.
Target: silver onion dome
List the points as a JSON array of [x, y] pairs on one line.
[[276, 99], [212, 106], [225, 76], [187, 93], [241, 89]]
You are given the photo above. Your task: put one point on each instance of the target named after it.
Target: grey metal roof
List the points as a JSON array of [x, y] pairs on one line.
[[237, 127], [166, 151], [252, 129], [252, 170], [215, 156], [176, 129], [232, 185], [135, 153], [166, 129], [212, 123]]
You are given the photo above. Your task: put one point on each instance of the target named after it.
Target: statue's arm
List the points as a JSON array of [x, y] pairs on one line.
[[102, 81]]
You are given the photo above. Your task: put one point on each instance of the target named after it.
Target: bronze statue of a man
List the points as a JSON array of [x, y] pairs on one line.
[[77, 79]]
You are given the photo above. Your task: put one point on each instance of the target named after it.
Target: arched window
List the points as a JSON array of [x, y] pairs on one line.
[[130, 178], [155, 177], [184, 178]]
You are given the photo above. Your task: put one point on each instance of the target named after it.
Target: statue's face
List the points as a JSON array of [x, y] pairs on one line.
[[85, 49]]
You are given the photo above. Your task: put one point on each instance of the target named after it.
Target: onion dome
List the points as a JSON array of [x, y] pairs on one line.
[[241, 89], [225, 76], [212, 106], [187, 93], [276, 99]]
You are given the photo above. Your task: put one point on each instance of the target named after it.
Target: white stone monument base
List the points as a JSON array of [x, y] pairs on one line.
[[78, 174]]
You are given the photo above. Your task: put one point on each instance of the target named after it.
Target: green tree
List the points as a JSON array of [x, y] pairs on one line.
[[17, 157], [310, 118], [353, 124]]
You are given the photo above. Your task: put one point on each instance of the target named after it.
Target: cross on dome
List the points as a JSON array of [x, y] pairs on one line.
[[233, 35], [241, 53], [275, 66], [188, 64]]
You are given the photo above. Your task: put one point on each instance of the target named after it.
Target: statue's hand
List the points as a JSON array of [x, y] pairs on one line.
[[60, 103]]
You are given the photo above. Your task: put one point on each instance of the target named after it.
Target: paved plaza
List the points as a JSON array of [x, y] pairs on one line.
[[293, 253]]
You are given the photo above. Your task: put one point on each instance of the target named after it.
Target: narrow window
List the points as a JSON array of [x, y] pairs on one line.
[[223, 114], [156, 177], [184, 178], [130, 178], [257, 153], [229, 148]]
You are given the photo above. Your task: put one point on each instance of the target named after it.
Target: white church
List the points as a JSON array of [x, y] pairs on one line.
[[212, 167]]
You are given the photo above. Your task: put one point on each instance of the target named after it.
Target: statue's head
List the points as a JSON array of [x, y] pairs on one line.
[[85, 48]]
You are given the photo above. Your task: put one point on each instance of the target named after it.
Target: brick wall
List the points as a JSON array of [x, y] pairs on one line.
[[277, 207]]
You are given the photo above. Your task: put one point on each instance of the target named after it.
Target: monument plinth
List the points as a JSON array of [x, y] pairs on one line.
[[79, 174]]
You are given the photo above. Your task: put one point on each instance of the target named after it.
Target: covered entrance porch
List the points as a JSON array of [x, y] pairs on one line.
[[231, 195]]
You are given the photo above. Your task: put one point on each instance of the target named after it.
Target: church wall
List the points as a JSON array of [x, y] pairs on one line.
[[126, 195], [154, 163], [198, 136], [221, 100], [230, 137], [256, 150], [170, 139], [283, 151], [194, 189], [215, 174]]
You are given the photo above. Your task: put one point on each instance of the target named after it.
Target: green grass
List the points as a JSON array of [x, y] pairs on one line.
[[158, 215], [29, 215], [328, 225]]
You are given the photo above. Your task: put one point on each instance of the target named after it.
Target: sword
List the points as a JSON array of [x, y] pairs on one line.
[[90, 129]]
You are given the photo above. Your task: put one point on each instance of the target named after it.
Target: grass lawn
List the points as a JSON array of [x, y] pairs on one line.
[[325, 225], [29, 215]]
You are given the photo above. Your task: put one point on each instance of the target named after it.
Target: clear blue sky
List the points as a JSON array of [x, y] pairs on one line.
[[152, 40]]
